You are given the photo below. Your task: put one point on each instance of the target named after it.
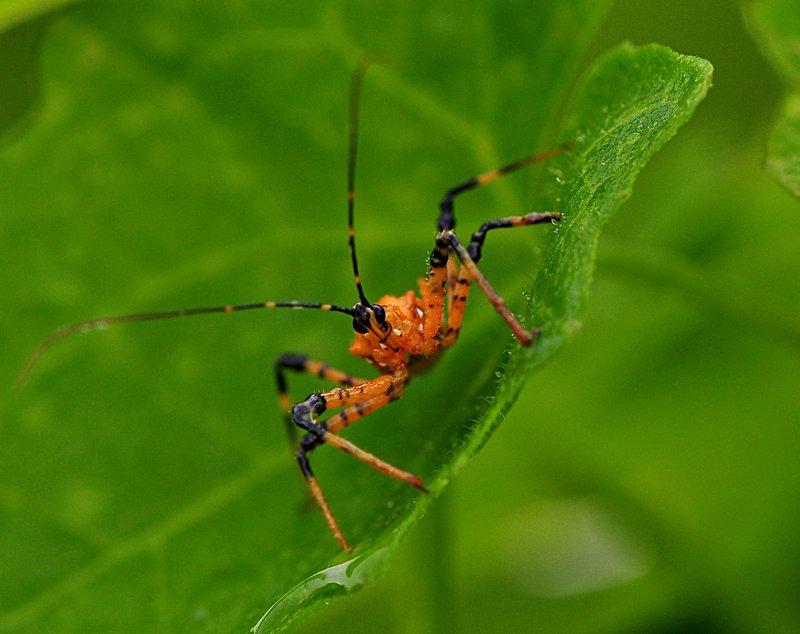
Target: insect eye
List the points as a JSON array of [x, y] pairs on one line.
[[380, 314], [359, 327]]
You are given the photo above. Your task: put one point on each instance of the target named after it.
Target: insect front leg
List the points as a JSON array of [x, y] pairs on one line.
[[446, 279], [456, 304], [447, 218], [302, 363], [447, 241], [475, 248], [358, 401]]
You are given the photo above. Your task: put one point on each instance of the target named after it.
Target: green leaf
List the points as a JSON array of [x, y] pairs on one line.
[[783, 146], [775, 24], [633, 101], [188, 156]]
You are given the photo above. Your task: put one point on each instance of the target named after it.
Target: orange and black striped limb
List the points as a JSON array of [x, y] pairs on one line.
[[358, 401], [447, 240], [460, 288], [434, 291], [447, 220], [476, 241], [303, 364], [457, 303]]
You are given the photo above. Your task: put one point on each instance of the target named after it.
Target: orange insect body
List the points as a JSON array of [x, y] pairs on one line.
[[398, 335], [407, 316]]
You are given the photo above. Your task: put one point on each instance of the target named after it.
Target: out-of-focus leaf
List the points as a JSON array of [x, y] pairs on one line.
[[776, 26], [19, 73]]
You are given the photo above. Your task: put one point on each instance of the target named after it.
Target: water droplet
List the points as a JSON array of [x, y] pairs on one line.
[[633, 138], [342, 578]]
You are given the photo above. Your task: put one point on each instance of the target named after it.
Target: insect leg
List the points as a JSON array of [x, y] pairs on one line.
[[476, 241], [358, 401], [447, 241], [433, 293], [301, 363], [445, 277], [452, 281], [459, 288], [447, 219], [349, 416], [456, 305]]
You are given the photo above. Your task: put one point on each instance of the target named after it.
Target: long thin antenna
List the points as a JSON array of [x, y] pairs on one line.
[[364, 62], [96, 324], [103, 322]]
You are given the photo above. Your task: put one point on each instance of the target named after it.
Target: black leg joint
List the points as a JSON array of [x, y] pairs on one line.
[[447, 221], [476, 241], [303, 414], [446, 240], [280, 379], [315, 403], [441, 253], [437, 259], [310, 442], [296, 362], [475, 247], [302, 460], [293, 361]]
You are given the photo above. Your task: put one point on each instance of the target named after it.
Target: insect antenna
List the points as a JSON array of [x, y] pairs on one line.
[[101, 323], [364, 62]]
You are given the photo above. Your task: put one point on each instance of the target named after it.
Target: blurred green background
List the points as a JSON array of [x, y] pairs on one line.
[[645, 481]]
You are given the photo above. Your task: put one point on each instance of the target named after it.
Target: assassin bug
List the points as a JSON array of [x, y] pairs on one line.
[[400, 336]]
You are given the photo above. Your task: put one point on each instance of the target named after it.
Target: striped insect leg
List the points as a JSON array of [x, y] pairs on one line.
[[447, 219], [316, 493], [468, 266], [457, 303], [434, 293], [351, 414], [460, 287], [358, 401], [303, 364], [476, 241]]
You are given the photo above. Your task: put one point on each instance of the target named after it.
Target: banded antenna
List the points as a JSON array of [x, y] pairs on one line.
[[101, 323], [364, 62]]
